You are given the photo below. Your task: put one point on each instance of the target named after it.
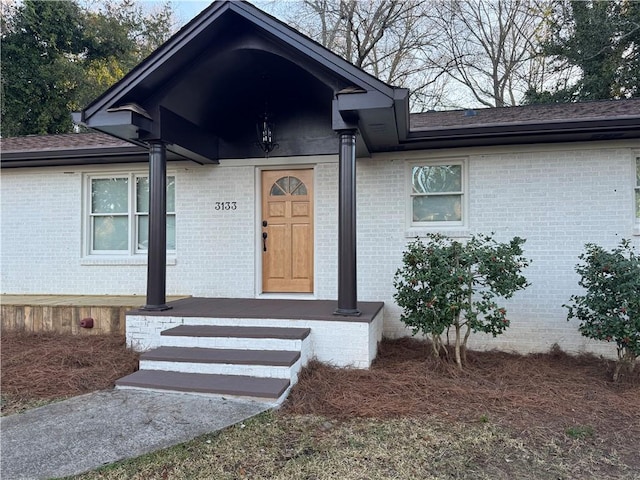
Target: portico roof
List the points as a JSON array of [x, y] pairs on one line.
[[203, 90]]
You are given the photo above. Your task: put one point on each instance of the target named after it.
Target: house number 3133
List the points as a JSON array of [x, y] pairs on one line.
[[225, 206]]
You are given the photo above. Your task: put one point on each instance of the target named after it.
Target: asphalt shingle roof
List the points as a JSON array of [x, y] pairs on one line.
[[564, 112], [67, 141]]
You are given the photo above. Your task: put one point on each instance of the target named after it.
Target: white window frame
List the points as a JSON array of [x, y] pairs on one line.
[[416, 226], [132, 216], [636, 193]]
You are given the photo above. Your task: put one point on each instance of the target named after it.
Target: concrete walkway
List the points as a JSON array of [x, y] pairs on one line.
[[86, 432]]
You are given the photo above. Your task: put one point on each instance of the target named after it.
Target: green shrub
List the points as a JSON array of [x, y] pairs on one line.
[[610, 308], [445, 283]]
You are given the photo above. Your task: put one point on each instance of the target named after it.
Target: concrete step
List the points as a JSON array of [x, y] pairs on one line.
[[270, 389], [242, 361], [235, 338], [210, 355], [258, 363]]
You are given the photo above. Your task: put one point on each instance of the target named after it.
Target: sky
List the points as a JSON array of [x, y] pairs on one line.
[[187, 9]]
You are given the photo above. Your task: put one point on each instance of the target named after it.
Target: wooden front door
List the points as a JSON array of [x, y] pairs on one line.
[[287, 231]]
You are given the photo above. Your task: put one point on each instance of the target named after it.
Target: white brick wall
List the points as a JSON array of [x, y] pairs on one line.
[[216, 248], [341, 343], [558, 198]]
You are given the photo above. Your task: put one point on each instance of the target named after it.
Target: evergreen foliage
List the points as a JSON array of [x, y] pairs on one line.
[[445, 283], [57, 57], [610, 308], [601, 41]]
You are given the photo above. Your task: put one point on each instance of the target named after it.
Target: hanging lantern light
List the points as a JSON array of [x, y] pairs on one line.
[[265, 129]]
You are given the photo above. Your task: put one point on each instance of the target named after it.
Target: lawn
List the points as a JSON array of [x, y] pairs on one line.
[[543, 416]]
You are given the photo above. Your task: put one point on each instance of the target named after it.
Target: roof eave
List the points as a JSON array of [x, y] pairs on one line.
[[98, 155], [560, 132]]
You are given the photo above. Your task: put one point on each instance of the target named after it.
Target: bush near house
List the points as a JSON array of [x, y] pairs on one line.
[[445, 283], [610, 308]]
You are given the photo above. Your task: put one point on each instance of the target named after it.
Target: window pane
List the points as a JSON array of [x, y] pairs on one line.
[[109, 195], [142, 195], [171, 194], [439, 208], [143, 232], [283, 183], [171, 232], [110, 233], [297, 187], [276, 190], [293, 184], [437, 178], [638, 187]]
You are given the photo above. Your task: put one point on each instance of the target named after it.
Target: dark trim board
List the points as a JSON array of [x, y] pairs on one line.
[[263, 308]]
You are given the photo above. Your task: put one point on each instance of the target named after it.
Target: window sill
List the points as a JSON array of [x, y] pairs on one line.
[[451, 232], [117, 260]]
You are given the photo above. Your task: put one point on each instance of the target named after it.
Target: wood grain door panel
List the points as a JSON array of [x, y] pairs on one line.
[[287, 208]]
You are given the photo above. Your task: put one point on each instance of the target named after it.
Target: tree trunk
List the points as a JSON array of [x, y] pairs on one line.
[[626, 360], [457, 346], [435, 344], [464, 345]]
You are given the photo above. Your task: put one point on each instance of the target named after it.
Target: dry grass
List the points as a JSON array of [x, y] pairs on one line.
[[546, 416]]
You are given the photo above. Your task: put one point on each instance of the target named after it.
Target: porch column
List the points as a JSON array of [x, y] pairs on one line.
[[347, 275], [157, 249]]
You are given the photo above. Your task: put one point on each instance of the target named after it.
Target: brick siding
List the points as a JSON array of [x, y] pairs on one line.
[[557, 198]]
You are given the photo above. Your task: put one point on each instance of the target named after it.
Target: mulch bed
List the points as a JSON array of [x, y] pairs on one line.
[[527, 393], [520, 390], [48, 366]]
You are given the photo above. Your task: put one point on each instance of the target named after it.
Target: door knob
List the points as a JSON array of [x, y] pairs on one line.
[[264, 241]]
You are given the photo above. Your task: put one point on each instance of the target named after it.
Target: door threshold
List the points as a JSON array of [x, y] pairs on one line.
[[287, 296]]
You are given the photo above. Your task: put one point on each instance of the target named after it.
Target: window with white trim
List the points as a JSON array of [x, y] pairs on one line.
[[638, 193], [118, 214], [437, 194]]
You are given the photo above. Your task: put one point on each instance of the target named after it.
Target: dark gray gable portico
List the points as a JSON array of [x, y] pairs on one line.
[[200, 94]]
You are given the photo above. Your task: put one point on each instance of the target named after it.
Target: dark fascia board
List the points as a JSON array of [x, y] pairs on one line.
[[82, 156], [78, 156], [401, 111], [259, 18], [552, 132], [159, 56]]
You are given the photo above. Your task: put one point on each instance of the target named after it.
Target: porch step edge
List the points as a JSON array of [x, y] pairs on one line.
[[282, 358], [215, 384], [284, 333]]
